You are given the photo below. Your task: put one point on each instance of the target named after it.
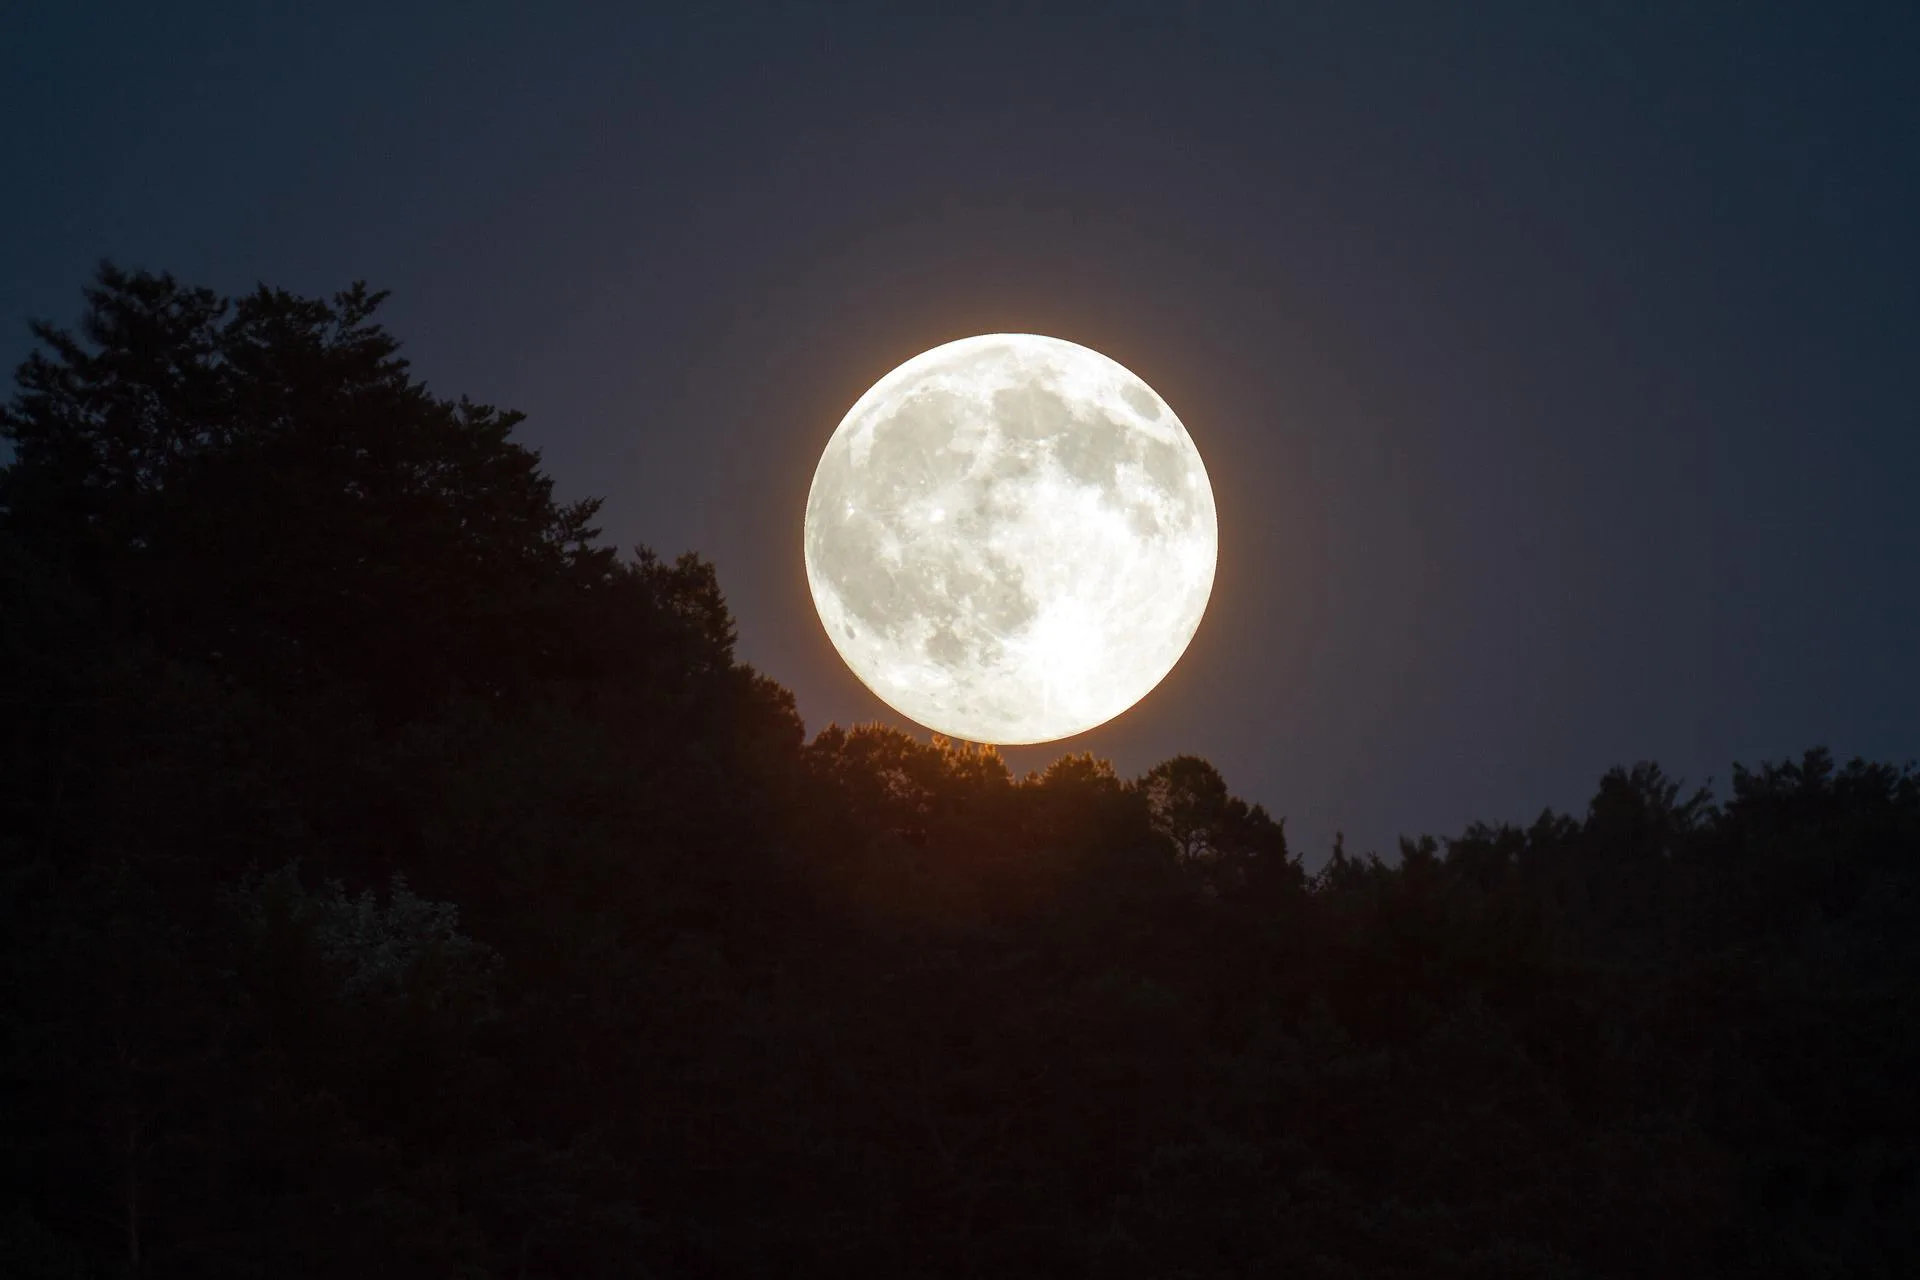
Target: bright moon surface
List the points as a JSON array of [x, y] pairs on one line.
[[1011, 539]]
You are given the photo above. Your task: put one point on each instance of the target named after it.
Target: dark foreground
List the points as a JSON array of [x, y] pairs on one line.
[[396, 884]]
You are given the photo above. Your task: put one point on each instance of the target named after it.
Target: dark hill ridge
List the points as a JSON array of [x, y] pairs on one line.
[[397, 883]]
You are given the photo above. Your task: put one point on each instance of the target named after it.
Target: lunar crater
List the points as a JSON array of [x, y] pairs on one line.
[[1010, 539]]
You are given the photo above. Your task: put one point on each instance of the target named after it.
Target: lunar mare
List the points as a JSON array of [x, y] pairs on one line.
[[1010, 539]]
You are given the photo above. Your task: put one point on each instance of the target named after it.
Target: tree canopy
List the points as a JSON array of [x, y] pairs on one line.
[[397, 881]]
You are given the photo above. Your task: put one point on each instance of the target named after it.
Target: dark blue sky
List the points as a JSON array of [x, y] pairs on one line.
[[1556, 363]]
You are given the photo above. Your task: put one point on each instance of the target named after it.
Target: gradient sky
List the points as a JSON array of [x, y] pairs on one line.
[[1556, 363]]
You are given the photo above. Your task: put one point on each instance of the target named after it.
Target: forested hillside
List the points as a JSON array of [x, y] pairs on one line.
[[397, 882]]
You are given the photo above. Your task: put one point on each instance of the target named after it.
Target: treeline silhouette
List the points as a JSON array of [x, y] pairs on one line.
[[399, 883]]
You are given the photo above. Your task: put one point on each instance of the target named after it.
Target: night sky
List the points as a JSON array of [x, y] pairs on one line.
[[1555, 364]]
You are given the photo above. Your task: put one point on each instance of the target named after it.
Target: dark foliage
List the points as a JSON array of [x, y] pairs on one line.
[[395, 883]]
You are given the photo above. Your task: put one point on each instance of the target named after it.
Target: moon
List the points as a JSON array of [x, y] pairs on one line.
[[1010, 539]]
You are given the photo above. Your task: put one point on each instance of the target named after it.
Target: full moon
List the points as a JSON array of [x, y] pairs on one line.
[[1010, 539]]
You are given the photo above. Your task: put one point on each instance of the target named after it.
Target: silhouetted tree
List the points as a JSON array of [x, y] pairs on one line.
[[261, 486], [392, 881]]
